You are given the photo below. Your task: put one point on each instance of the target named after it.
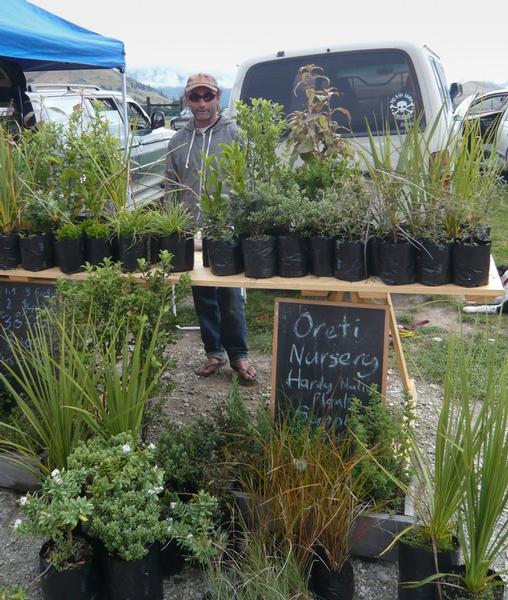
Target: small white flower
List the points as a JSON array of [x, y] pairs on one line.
[[23, 500], [126, 448], [58, 480], [437, 339], [169, 520], [159, 489], [17, 523], [55, 473], [172, 505], [151, 446], [190, 536]]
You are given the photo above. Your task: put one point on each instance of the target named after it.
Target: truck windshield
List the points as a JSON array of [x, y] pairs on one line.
[[377, 87]]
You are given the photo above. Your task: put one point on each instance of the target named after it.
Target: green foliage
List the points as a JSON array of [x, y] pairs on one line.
[[54, 512], [188, 454], [193, 525], [130, 222], [12, 593], [215, 202], [48, 381], [124, 484], [40, 213], [261, 127], [313, 132], [9, 184], [95, 229], [385, 431], [265, 568], [172, 218], [111, 298], [286, 207], [69, 231]]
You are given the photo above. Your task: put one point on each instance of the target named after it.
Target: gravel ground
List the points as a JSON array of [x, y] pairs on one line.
[[191, 397]]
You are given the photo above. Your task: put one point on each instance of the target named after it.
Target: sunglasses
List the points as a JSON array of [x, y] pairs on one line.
[[208, 97]]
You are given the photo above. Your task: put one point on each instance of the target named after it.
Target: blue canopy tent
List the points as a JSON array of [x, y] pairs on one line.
[[37, 40]]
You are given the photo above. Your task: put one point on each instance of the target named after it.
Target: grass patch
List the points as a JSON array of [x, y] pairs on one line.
[[426, 354], [498, 218]]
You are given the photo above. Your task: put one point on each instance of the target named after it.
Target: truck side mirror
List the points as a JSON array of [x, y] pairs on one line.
[[455, 90], [158, 119]]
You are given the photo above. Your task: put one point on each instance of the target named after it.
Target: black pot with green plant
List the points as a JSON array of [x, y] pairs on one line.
[[433, 262], [39, 217], [97, 242], [332, 584], [397, 260], [66, 565], [70, 248], [10, 206], [471, 262], [350, 260], [172, 225], [131, 228], [36, 251]]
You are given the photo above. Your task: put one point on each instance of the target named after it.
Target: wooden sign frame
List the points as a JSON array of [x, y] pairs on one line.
[[327, 304]]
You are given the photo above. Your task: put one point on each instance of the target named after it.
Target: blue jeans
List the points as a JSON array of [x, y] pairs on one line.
[[222, 321]]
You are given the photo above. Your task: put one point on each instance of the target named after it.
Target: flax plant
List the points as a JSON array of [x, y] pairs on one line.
[[483, 527], [48, 380], [10, 194], [125, 383]]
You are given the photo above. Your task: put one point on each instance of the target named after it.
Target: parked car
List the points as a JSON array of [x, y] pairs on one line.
[[149, 136], [181, 119], [380, 84], [492, 111]]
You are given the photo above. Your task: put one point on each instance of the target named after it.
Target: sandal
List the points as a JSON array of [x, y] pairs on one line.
[[246, 372], [211, 366]]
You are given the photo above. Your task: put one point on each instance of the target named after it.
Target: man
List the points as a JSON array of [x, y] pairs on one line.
[[220, 310]]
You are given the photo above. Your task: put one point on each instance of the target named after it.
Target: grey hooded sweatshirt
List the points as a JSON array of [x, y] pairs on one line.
[[185, 159]]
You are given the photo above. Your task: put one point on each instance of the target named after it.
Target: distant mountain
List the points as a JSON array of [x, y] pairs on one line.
[[109, 79]]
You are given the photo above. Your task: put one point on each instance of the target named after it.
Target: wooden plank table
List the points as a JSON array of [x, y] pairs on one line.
[[369, 290]]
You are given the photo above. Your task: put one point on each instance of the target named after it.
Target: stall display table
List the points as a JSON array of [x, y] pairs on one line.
[[369, 290]]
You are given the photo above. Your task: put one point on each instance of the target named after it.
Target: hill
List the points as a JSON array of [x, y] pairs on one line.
[[109, 79]]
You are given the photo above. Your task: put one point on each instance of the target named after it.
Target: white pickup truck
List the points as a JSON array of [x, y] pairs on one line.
[[149, 141]]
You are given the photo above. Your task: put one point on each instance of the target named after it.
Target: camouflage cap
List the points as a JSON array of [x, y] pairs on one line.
[[201, 80]]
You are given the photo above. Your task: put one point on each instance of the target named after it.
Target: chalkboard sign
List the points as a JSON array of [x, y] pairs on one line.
[[326, 354], [18, 303]]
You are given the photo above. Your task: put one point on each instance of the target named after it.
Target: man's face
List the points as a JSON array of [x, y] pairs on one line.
[[204, 105]]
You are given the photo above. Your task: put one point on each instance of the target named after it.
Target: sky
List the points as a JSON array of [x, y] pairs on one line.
[[215, 36]]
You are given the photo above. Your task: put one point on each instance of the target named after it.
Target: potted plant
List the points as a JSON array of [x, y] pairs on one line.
[[473, 184], [124, 485], [130, 228], [173, 227], [69, 248], [482, 526], [223, 247], [97, 241], [10, 205], [66, 558], [40, 215]]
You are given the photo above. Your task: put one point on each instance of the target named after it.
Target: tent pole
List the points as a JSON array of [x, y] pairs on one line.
[[126, 132]]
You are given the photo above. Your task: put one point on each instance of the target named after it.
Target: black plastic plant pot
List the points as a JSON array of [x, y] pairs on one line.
[[9, 251], [350, 260], [37, 252], [70, 255], [97, 249], [471, 264], [259, 256], [204, 251], [433, 262], [79, 583], [417, 563], [182, 249], [328, 584], [397, 262], [321, 252], [225, 257], [153, 248], [130, 249], [292, 256], [452, 592], [374, 255], [134, 579], [172, 558]]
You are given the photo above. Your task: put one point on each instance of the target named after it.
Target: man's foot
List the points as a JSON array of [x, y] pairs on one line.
[[211, 366], [247, 374]]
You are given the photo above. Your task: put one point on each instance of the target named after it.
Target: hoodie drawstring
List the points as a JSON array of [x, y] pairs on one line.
[[190, 148]]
